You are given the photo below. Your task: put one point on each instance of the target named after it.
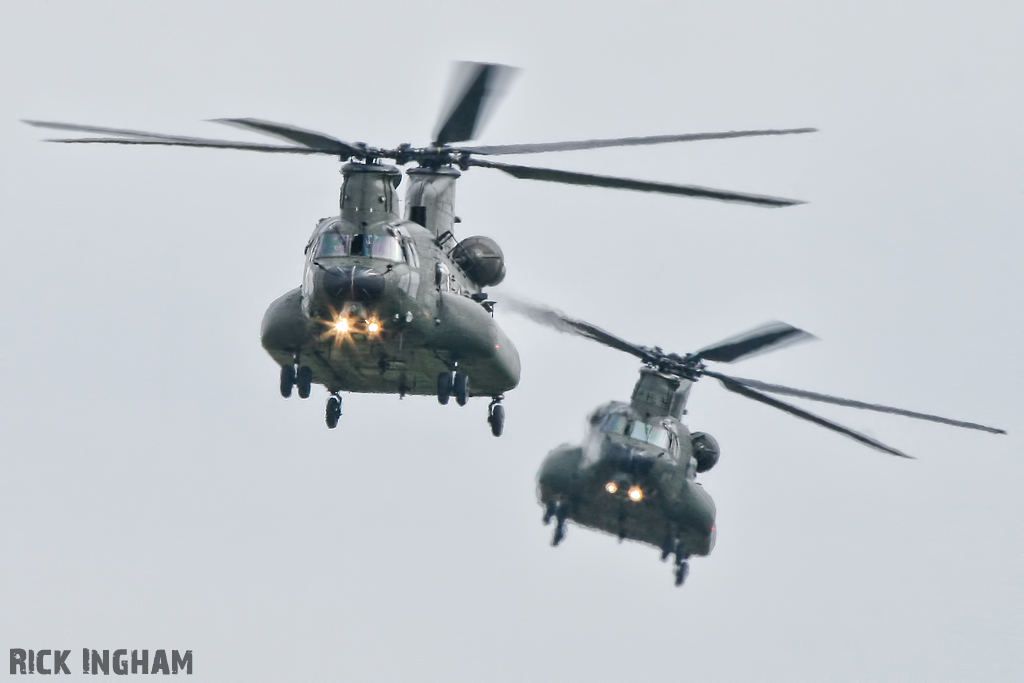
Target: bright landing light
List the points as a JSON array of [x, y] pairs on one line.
[[372, 326], [341, 325], [636, 494], [611, 487]]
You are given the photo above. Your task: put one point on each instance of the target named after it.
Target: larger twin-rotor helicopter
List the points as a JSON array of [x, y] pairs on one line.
[[390, 302], [634, 474]]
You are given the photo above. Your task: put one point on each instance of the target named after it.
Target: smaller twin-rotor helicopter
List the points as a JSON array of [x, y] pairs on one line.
[[392, 303], [634, 474]]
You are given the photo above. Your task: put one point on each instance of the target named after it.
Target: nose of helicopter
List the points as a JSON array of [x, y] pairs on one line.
[[626, 460], [353, 283]]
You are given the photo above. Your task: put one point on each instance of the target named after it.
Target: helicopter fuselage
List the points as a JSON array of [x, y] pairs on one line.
[[384, 308], [634, 477]]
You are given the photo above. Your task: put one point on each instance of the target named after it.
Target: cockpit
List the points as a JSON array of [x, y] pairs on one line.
[[385, 247], [638, 430]]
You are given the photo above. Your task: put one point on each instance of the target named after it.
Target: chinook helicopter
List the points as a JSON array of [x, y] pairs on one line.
[[396, 305], [634, 475]]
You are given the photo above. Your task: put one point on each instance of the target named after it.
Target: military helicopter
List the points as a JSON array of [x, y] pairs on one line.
[[396, 305], [634, 475]]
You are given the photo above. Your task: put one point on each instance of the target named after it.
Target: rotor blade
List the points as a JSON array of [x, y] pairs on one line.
[[138, 137], [477, 88], [825, 398], [572, 178], [194, 142], [736, 386], [623, 142], [563, 323], [309, 138], [768, 337], [77, 128]]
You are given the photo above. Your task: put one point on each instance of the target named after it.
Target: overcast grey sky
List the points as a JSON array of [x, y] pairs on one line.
[[158, 492]]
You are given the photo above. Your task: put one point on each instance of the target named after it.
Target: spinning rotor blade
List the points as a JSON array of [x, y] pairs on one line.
[[482, 84], [573, 178], [308, 138], [623, 142], [563, 323], [825, 398], [770, 336], [123, 132], [736, 386], [136, 137], [218, 144]]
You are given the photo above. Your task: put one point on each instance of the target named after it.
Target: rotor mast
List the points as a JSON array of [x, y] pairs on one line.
[[430, 199], [660, 394], [368, 192]]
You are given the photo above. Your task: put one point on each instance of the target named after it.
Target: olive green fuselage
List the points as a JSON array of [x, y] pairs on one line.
[[408, 310], [634, 476]]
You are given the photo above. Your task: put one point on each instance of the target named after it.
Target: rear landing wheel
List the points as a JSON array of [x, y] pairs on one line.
[[333, 411], [460, 388], [304, 381], [287, 380], [444, 388]]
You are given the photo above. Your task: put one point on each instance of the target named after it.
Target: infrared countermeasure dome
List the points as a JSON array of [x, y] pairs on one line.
[[481, 259]]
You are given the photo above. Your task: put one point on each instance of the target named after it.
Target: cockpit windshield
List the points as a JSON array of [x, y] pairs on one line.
[[384, 247], [638, 430]]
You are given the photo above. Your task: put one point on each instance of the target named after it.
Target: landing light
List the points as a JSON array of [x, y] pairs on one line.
[[635, 494], [611, 487], [372, 326], [341, 325]]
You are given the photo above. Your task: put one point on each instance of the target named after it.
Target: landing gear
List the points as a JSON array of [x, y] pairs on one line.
[[444, 388], [549, 512], [304, 381], [287, 380], [496, 416], [559, 534], [450, 384], [681, 571], [333, 411], [670, 547], [460, 388], [560, 511], [682, 566]]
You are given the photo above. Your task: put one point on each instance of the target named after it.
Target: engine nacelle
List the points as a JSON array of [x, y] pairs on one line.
[[705, 450], [481, 259]]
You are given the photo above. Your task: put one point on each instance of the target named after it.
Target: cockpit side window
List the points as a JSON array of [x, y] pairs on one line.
[[410, 253], [660, 437]]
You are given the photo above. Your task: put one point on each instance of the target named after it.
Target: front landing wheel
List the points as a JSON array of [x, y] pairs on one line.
[[681, 571], [287, 380], [304, 381], [497, 419]]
